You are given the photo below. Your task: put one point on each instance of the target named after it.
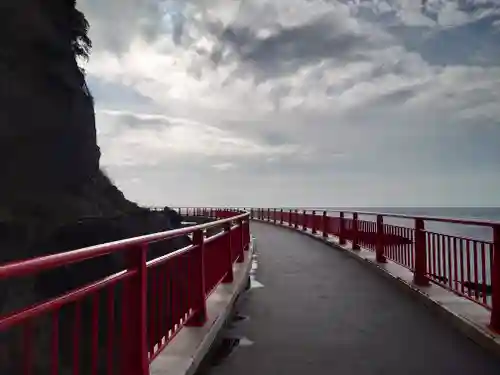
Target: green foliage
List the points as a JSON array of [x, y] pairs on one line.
[[80, 42]]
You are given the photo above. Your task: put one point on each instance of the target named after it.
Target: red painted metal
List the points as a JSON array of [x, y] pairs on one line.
[[55, 344], [380, 245], [27, 344], [95, 333], [148, 317], [420, 272], [224, 214], [342, 227], [229, 277], [355, 232], [111, 330], [241, 246], [324, 224], [468, 267], [135, 347], [495, 313]]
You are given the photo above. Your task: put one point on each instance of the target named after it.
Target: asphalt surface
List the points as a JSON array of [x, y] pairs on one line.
[[321, 311]]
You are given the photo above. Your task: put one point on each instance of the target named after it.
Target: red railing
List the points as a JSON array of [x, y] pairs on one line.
[[131, 315], [460, 255]]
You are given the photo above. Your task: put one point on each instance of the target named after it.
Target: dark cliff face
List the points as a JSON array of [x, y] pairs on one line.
[[47, 127], [49, 157], [53, 196]]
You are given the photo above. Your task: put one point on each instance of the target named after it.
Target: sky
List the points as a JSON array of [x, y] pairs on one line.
[[320, 103]]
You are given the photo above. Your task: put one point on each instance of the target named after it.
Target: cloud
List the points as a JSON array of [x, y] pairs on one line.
[[223, 166], [149, 139], [355, 96], [283, 50]]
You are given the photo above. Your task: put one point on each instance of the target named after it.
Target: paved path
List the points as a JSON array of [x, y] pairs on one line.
[[322, 312]]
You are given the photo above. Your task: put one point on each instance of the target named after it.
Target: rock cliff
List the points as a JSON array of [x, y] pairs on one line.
[[53, 195]]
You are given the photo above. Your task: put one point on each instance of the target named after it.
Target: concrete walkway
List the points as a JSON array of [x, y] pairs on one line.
[[322, 312]]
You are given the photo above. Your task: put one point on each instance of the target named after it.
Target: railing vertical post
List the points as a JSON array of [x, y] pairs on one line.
[[324, 223], [251, 213], [268, 214], [495, 281], [135, 347], [355, 244], [296, 224], [379, 246], [241, 250], [229, 278], [342, 228], [281, 216], [274, 216], [199, 317], [304, 220], [313, 224], [420, 249], [247, 235]]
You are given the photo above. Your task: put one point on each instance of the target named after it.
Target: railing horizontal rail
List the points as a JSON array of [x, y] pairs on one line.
[[58, 302], [44, 263], [164, 258], [444, 219]]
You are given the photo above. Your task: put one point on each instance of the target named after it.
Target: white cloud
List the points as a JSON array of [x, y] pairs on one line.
[[353, 93], [164, 138], [223, 166]]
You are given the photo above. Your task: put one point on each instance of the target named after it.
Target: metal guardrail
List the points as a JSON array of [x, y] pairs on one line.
[[131, 315], [470, 267]]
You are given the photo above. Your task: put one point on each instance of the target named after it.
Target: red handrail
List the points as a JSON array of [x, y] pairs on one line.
[[158, 298], [475, 222], [470, 267]]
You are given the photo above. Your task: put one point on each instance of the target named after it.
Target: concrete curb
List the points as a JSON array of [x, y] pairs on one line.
[[187, 350], [468, 317]]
